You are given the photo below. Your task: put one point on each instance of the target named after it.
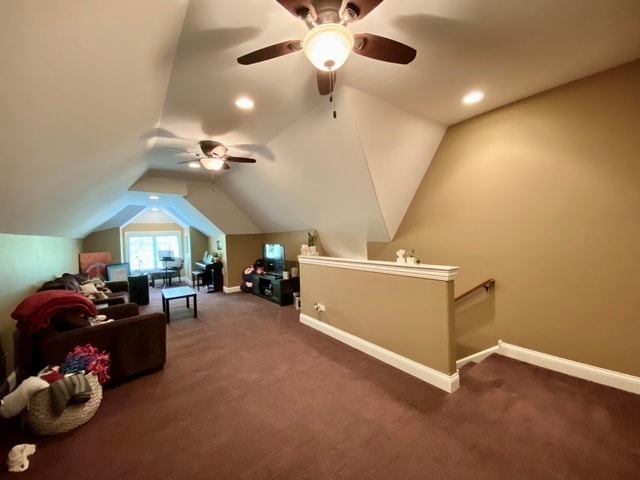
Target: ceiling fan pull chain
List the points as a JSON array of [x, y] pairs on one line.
[[331, 80], [332, 83]]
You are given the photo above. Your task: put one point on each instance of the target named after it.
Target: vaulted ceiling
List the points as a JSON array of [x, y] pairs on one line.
[[94, 94]]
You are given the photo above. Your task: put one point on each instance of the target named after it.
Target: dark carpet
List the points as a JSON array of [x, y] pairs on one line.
[[249, 392]]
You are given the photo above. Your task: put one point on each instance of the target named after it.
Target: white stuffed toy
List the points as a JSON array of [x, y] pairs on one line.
[[17, 460], [400, 253], [12, 404]]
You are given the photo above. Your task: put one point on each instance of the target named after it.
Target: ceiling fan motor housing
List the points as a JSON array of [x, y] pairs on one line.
[[329, 42]]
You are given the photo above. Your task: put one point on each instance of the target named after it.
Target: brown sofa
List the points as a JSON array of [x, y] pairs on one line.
[[113, 293], [136, 343]]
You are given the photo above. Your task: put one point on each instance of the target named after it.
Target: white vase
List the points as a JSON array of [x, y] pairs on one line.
[[312, 249], [411, 260]]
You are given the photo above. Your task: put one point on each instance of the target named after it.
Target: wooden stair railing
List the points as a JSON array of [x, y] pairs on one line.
[[487, 284]]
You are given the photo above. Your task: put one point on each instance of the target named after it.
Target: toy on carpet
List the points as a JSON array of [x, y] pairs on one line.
[[17, 460], [89, 359]]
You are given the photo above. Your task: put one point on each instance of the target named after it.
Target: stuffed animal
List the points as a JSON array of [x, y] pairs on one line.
[[12, 404]]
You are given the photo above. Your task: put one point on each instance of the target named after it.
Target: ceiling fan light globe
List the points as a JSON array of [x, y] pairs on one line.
[[327, 46], [212, 163]]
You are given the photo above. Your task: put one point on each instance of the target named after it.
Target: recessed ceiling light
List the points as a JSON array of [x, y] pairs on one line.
[[244, 103], [154, 197], [194, 164], [154, 209], [473, 97]]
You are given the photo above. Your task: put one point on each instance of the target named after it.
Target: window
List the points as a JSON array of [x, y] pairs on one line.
[[146, 249]]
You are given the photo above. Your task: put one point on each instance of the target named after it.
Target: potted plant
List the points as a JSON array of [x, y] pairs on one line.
[[411, 256], [312, 241]]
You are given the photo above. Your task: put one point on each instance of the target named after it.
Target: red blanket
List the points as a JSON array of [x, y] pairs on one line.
[[35, 311]]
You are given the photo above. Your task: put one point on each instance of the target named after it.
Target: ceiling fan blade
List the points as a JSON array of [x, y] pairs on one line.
[[186, 152], [225, 166], [365, 7], [295, 6], [381, 48], [189, 161], [326, 83], [229, 158], [160, 132], [272, 51]]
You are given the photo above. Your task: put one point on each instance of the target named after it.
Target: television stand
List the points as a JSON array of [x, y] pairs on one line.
[[277, 290]]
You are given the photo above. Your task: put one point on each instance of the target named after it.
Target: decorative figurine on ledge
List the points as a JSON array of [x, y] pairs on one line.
[[407, 256]]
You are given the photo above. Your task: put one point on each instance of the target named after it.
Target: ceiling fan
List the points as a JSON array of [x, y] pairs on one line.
[[214, 156], [328, 42]]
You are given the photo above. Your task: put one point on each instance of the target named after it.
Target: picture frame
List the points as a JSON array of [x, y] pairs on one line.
[[219, 244], [94, 263], [118, 272]]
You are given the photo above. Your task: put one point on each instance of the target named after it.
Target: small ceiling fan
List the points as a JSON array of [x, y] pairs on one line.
[[328, 42], [214, 156]]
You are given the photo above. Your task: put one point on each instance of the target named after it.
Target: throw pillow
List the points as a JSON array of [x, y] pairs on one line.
[[98, 295], [88, 288], [99, 283]]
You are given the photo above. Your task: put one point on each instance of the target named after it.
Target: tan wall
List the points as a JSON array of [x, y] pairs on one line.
[[27, 262], [543, 195], [412, 317], [105, 241], [199, 244], [241, 251]]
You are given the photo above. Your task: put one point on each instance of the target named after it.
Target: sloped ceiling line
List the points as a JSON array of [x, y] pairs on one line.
[[398, 147]]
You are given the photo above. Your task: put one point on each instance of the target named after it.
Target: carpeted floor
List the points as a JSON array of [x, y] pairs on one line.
[[249, 392]]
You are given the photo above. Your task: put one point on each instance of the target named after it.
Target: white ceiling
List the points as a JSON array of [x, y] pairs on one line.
[[92, 93]]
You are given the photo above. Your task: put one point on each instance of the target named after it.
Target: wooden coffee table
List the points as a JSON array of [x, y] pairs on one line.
[[169, 294]]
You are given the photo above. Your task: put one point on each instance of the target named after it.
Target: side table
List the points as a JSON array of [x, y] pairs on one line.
[[179, 292]]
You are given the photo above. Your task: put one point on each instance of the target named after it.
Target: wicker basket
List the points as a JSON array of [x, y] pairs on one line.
[[43, 421]]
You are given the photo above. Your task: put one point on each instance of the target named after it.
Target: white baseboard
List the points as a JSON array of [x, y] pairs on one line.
[[476, 357], [599, 375], [231, 289], [448, 383]]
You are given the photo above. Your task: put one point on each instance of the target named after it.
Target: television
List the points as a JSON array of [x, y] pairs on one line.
[[273, 256]]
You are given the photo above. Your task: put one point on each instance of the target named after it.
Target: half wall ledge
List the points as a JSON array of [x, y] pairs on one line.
[[401, 314], [421, 270]]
